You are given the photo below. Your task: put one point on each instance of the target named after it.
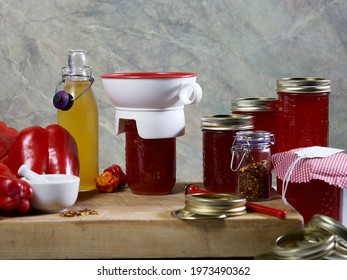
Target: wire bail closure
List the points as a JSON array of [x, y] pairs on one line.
[[63, 100], [64, 75], [245, 151]]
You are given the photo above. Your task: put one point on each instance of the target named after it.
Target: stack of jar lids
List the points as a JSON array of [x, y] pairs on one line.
[[338, 230], [322, 238], [211, 206], [309, 243], [215, 204]]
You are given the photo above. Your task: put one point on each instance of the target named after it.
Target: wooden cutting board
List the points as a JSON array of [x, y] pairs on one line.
[[136, 226]]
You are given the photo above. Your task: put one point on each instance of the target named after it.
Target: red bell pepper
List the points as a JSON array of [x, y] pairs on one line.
[[7, 135], [14, 193], [49, 150]]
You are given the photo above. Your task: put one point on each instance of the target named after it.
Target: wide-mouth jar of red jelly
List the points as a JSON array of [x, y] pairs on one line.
[[218, 133], [150, 163], [263, 109], [303, 112]]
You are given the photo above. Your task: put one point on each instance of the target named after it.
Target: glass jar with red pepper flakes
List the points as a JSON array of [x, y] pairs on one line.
[[251, 161], [218, 133], [303, 110], [263, 109], [150, 163]]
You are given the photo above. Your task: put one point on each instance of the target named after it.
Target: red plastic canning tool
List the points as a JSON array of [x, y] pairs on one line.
[[192, 189]]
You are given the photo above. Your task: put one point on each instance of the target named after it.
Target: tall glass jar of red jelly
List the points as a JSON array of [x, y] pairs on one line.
[[303, 112], [150, 163], [303, 121], [218, 133], [264, 111]]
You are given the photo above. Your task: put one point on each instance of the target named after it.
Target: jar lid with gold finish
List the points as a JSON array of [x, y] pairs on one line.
[[215, 204], [307, 244], [227, 122], [322, 238], [211, 206], [259, 104], [329, 224], [303, 85]]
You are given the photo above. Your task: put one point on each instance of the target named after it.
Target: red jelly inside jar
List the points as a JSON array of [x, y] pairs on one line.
[[303, 113], [263, 109], [218, 133], [314, 197], [150, 163], [303, 121]]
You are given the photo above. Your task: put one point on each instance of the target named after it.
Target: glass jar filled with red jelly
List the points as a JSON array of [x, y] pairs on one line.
[[218, 133], [303, 121], [303, 113], [264, 111], [150, 163], [314, 197]]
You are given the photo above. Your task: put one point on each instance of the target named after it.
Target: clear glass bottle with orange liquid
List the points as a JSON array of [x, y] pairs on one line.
[[79, 114]]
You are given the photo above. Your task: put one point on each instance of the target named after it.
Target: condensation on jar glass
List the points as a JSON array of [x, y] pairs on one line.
[[263, 109], [303, 110], [218, 133], [251, 161]]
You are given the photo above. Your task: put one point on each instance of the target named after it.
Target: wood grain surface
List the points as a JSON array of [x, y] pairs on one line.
[[136, 226]]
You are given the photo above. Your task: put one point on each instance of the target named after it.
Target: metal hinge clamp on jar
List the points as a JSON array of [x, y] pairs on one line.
[[251, 159]]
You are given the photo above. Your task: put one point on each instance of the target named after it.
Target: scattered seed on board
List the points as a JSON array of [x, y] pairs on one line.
[[82, 212]]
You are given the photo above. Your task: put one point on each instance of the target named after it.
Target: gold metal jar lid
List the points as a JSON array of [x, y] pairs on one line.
[[303, 85], [330, 225], [340, 253], [215, 210], [182, 214], [307, 244], [215, 199], [215, 204], [227, 122], [250, 104], [211, 206]]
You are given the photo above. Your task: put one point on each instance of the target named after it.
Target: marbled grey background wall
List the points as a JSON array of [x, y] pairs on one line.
[[238, 48]]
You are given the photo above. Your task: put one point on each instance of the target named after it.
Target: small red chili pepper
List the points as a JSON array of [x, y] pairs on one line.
[[117, 171], [106, 182]]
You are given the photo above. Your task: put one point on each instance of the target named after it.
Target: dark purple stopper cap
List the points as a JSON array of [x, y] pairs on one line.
[[62, 100]]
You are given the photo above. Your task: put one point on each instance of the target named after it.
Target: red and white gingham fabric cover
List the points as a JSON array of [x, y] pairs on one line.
[[331, 169]]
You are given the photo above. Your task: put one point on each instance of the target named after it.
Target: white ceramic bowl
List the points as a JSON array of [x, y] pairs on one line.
[[56, 195]]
